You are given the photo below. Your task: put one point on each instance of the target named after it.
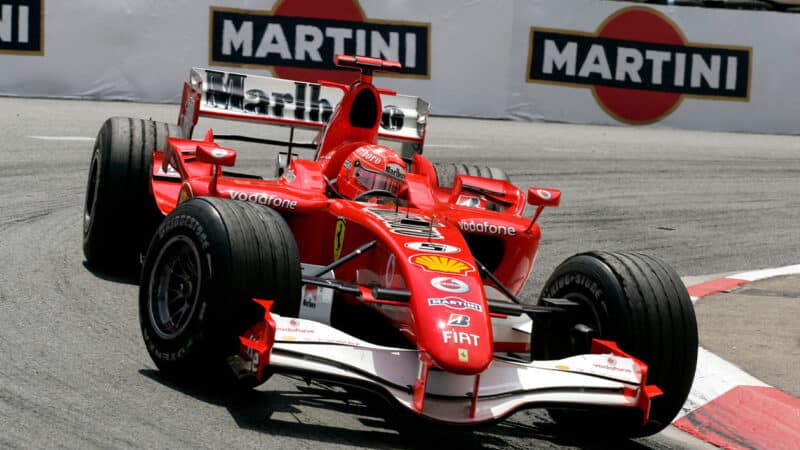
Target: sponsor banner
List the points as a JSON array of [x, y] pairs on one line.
[[639, 65], [562, 56], [146, 54], [281, 39], [22, 27], [611, 63], [626, 63]]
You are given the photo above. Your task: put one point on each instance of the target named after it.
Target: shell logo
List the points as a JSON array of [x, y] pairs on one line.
[[443, 264]]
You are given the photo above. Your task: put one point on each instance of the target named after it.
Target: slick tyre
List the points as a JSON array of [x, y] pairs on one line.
[[641, 303], [208, 259], [120, 213], [446, 172]]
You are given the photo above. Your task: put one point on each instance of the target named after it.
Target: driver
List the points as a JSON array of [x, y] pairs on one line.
[[371, 168]]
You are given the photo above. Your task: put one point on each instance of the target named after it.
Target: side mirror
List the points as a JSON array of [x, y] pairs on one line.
[[544, 197], [212, 154]]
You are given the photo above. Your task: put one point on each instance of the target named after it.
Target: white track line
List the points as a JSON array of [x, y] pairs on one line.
[[767, 273], [62, 138], [462, 146]]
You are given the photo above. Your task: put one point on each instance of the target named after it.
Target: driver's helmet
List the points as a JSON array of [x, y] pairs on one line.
[[371, 167]]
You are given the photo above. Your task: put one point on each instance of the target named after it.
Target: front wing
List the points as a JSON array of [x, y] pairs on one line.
[[606, 378]]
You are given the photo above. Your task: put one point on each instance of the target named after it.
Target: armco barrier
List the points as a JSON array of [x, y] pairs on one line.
[[583, 61]]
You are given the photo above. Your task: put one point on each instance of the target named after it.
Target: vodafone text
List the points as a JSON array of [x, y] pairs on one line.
[[264, 199], [472, 226], [368, 155]]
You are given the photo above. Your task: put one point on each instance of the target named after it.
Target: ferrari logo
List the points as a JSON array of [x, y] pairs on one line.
[[338, 238], [463, 355], [444, 264]]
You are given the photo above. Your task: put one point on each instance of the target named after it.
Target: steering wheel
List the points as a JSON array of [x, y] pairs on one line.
[[374, 193]]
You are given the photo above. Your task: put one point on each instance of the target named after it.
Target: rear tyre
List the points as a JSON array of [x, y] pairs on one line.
[[641, 303], [120, 213], [446, 172], [207, 261]]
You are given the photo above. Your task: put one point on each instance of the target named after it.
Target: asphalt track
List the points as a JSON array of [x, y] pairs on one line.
[[74, 372]]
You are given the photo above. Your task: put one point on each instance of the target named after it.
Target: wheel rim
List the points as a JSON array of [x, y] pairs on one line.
[[589, 315], [91, 193], [174, 287]]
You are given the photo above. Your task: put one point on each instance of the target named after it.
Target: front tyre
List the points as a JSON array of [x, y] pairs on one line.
[[641, 303], [207, 261]]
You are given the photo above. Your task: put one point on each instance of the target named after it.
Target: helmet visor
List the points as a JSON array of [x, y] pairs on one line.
[[370, 180]]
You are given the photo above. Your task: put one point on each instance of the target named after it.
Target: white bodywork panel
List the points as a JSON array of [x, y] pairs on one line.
[[592, 379], [293, 103], [316, 302]]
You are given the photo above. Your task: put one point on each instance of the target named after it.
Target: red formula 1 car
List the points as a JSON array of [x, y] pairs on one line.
[[375, 267]]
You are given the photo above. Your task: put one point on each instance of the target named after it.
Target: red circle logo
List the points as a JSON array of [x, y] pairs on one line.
[[638, 106], [329, 9]]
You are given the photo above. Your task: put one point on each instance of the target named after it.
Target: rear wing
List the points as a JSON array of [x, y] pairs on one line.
[[237, 96]]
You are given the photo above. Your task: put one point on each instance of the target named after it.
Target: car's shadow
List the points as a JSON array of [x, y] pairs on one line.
[[282, 411], [125, 275]]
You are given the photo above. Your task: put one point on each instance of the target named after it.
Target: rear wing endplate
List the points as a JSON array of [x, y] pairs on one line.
[[229, 95]]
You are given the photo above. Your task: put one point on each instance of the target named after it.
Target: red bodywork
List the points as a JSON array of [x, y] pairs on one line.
[[452, 326]]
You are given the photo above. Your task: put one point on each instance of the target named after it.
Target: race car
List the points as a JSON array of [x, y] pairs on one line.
[[369, 265]]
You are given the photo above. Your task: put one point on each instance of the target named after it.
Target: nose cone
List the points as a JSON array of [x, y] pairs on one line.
[[457, 333]]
